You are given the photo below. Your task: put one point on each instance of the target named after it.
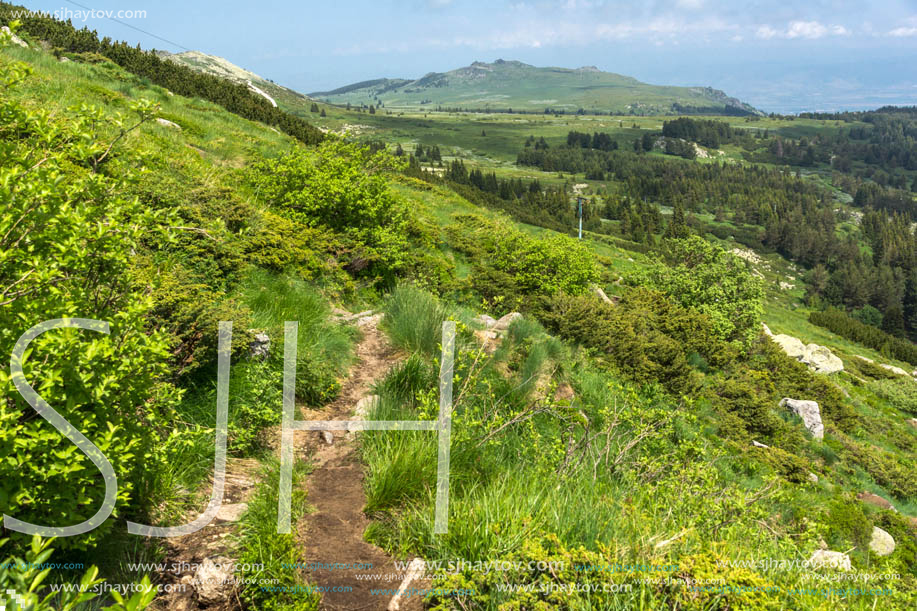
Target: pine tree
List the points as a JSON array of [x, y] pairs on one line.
[[677, 228]]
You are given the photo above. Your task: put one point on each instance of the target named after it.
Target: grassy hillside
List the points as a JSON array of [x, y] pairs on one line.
[[514, 85]]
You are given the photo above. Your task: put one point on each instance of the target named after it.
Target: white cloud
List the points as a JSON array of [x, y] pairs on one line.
[[902, 32], [809, 30], [806, 29], [766, 32]]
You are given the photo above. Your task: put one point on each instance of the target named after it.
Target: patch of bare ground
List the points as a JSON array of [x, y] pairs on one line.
[[333, 532]]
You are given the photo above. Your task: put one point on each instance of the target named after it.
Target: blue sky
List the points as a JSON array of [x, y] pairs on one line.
[[780, 56]]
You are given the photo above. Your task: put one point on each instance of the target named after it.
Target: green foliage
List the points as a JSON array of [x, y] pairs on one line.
[[839, 322], [706, 278], [747, 398], [646, 337], [899, 391], [323, 349], [790, 378], [414, 319], [68, 243], [848, 523], [24, 576], [342, 187], [260, 544], [511, 266]]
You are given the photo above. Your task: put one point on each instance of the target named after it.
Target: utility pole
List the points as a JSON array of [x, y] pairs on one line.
[[579, 202]]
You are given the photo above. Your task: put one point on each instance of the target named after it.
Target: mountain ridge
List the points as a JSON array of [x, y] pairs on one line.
[[512, 84]]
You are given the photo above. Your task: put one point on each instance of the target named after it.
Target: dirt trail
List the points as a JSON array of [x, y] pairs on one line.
[[213, 541], [333, 533]]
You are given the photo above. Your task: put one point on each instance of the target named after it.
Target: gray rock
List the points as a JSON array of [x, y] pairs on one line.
[[364, 406], [821, 360], [758, 444], [894, 369], [818, 358], [812, 478], [835, 560], [485, 321], [231, 512], [63, 59], [213, 580], [913, 422], [369, 321], [328, 436], [260, 346], [882, 543], [601, 294], [504, 323], [15, 39], [767, 330], [793, 347], [810, 414], [167, 123]]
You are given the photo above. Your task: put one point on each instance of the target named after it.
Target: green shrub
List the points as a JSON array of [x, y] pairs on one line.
[[67, 242], [900, 392], [25, 577], [510, 264], [414, 319], [342, 187], [848, 523], [645, 337], [706, 278], [850, 328]]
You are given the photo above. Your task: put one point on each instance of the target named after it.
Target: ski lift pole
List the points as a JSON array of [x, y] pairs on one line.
[[579, 202]]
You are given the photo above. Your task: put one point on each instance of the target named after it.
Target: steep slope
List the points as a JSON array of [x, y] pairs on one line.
[[512, 84], [223, 68]]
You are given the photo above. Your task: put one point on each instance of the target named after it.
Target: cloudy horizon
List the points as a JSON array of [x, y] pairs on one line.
[[777, 56]]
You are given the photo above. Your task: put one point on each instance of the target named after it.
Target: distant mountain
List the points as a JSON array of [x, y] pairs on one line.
[[511, 84], [223, 68]]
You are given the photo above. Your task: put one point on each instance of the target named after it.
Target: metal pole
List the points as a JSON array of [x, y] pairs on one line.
[[579, 201]]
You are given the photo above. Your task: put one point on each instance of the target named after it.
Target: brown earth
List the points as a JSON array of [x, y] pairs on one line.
[[333, 532]]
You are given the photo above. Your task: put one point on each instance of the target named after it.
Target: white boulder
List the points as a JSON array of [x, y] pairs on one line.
[[213, 581], [167, 123], [882, 543], [810, 414], [834, 560], [504, 323]]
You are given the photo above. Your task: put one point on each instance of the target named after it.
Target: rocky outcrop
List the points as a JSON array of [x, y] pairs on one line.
[[231, 512], [824, 558], [167, 123], [810, 414], [15, 39], [504, 323], [260, 346], [881, 543], [894, 369], [818, 358], [821, 360], [485, 321], [213, 582], [364, 406]]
